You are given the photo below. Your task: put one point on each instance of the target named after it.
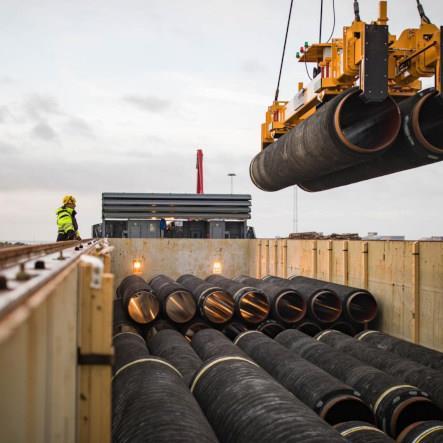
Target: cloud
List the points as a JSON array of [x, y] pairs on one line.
[[7, 149], [78, 127], [4, 114], [149, 103], [253, 67], [44, 131], [40, 106]]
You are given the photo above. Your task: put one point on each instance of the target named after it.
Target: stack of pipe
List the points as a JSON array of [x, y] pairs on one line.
[[423, 432], [151, 403], [362, 432], [395, 404], [244, 403], [251, 304]]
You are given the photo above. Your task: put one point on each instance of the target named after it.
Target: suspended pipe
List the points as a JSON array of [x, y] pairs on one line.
[[138, 299], [343, 132], [423, 432], [288, 306], [309, 328], [395, 404], [403, 348], [233, 329], [210, 344], [270, 328], [331, 399], [158, 325], [419, 143], [245, 404], [191, 328], [428, 379], [361, 432], [324, 305], [177, 302], [174, 348], [251, 303], [151, 402], [214, 304], [358, 305]]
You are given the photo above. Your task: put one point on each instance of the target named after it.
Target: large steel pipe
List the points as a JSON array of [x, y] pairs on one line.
[[138, 299], [361, 432], [288, 306], [195, 325], [345, 327], [131, 346], [121, 321], [233, 329], [214, 304], [177, 302], [210, 344], [343, 132], [334, 401], [324, 305], [309, 328], [428, 379], [423, 432], [151, 403], [245, 404], [251, 303], [395, 404], [420, 142], [174, 348], [158, 325], [403, 348], [270, 328], [359, 305]]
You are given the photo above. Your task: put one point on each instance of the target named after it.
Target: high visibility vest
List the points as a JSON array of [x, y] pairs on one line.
[[66, 220]]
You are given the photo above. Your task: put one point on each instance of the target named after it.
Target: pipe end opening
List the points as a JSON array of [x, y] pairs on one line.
[[326, 306], [219, 307], [291, 307], [143, 307], [362, 307], [346, 408], [254, 307], [180, 306]]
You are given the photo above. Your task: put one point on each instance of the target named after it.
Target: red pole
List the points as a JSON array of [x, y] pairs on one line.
[[200, 171]]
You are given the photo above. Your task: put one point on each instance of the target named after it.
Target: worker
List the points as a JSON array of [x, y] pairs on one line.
[[162, 227], [250, 234], [66, 221]]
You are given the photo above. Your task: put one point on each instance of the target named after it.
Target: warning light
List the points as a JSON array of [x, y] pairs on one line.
[[217, 268], [136, 266]]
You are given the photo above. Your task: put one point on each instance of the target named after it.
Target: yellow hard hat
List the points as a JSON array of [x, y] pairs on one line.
[[69, 200]]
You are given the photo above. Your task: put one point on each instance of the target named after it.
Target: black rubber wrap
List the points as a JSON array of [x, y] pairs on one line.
[[309, 328], [423, 432], [121, 321], [130, 346], [395, 405], [173, 347], [349, 297], [403, 348], [428, 379], [233, 329], [158, 325], [271, 328], [245, 404], [274, 293], [344, 326], [201, 290], [362, 432], [151, 402], [313, 148], [310, 292], [238, 291], [406, 153], [166, 287], [333, 400]]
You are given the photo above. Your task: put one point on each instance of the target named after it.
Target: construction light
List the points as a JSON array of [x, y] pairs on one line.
[[217, 268], [136, 266]]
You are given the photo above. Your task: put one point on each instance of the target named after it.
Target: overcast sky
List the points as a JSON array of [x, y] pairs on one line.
[[117, 95]]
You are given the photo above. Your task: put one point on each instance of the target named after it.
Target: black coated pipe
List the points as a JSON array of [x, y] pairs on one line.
[[251, 303], [403, 348], [210, 344], [151, 402], [309, 328], [214, 304], [428, 379], [334, 401], [177, 302], [129, 346], [121, 321], [271, 328], [345, 327], [288, 306], [342, 133], [358, 305], [419, 143], [324, 305], [233, 329], [158, 325], [245, 404], [174, 348], [138, 299], [423, 432], [191, 328], [361, 432], [395, 404]]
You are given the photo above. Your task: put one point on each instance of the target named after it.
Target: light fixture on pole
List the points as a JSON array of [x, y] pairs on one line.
[[232, 175]]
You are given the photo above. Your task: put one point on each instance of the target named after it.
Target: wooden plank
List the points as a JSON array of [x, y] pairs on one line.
[[314, 259], [345, 263], [416, 291], [285, 259]]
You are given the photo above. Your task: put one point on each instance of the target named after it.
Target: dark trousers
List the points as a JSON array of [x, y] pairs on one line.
[[66, 236]]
